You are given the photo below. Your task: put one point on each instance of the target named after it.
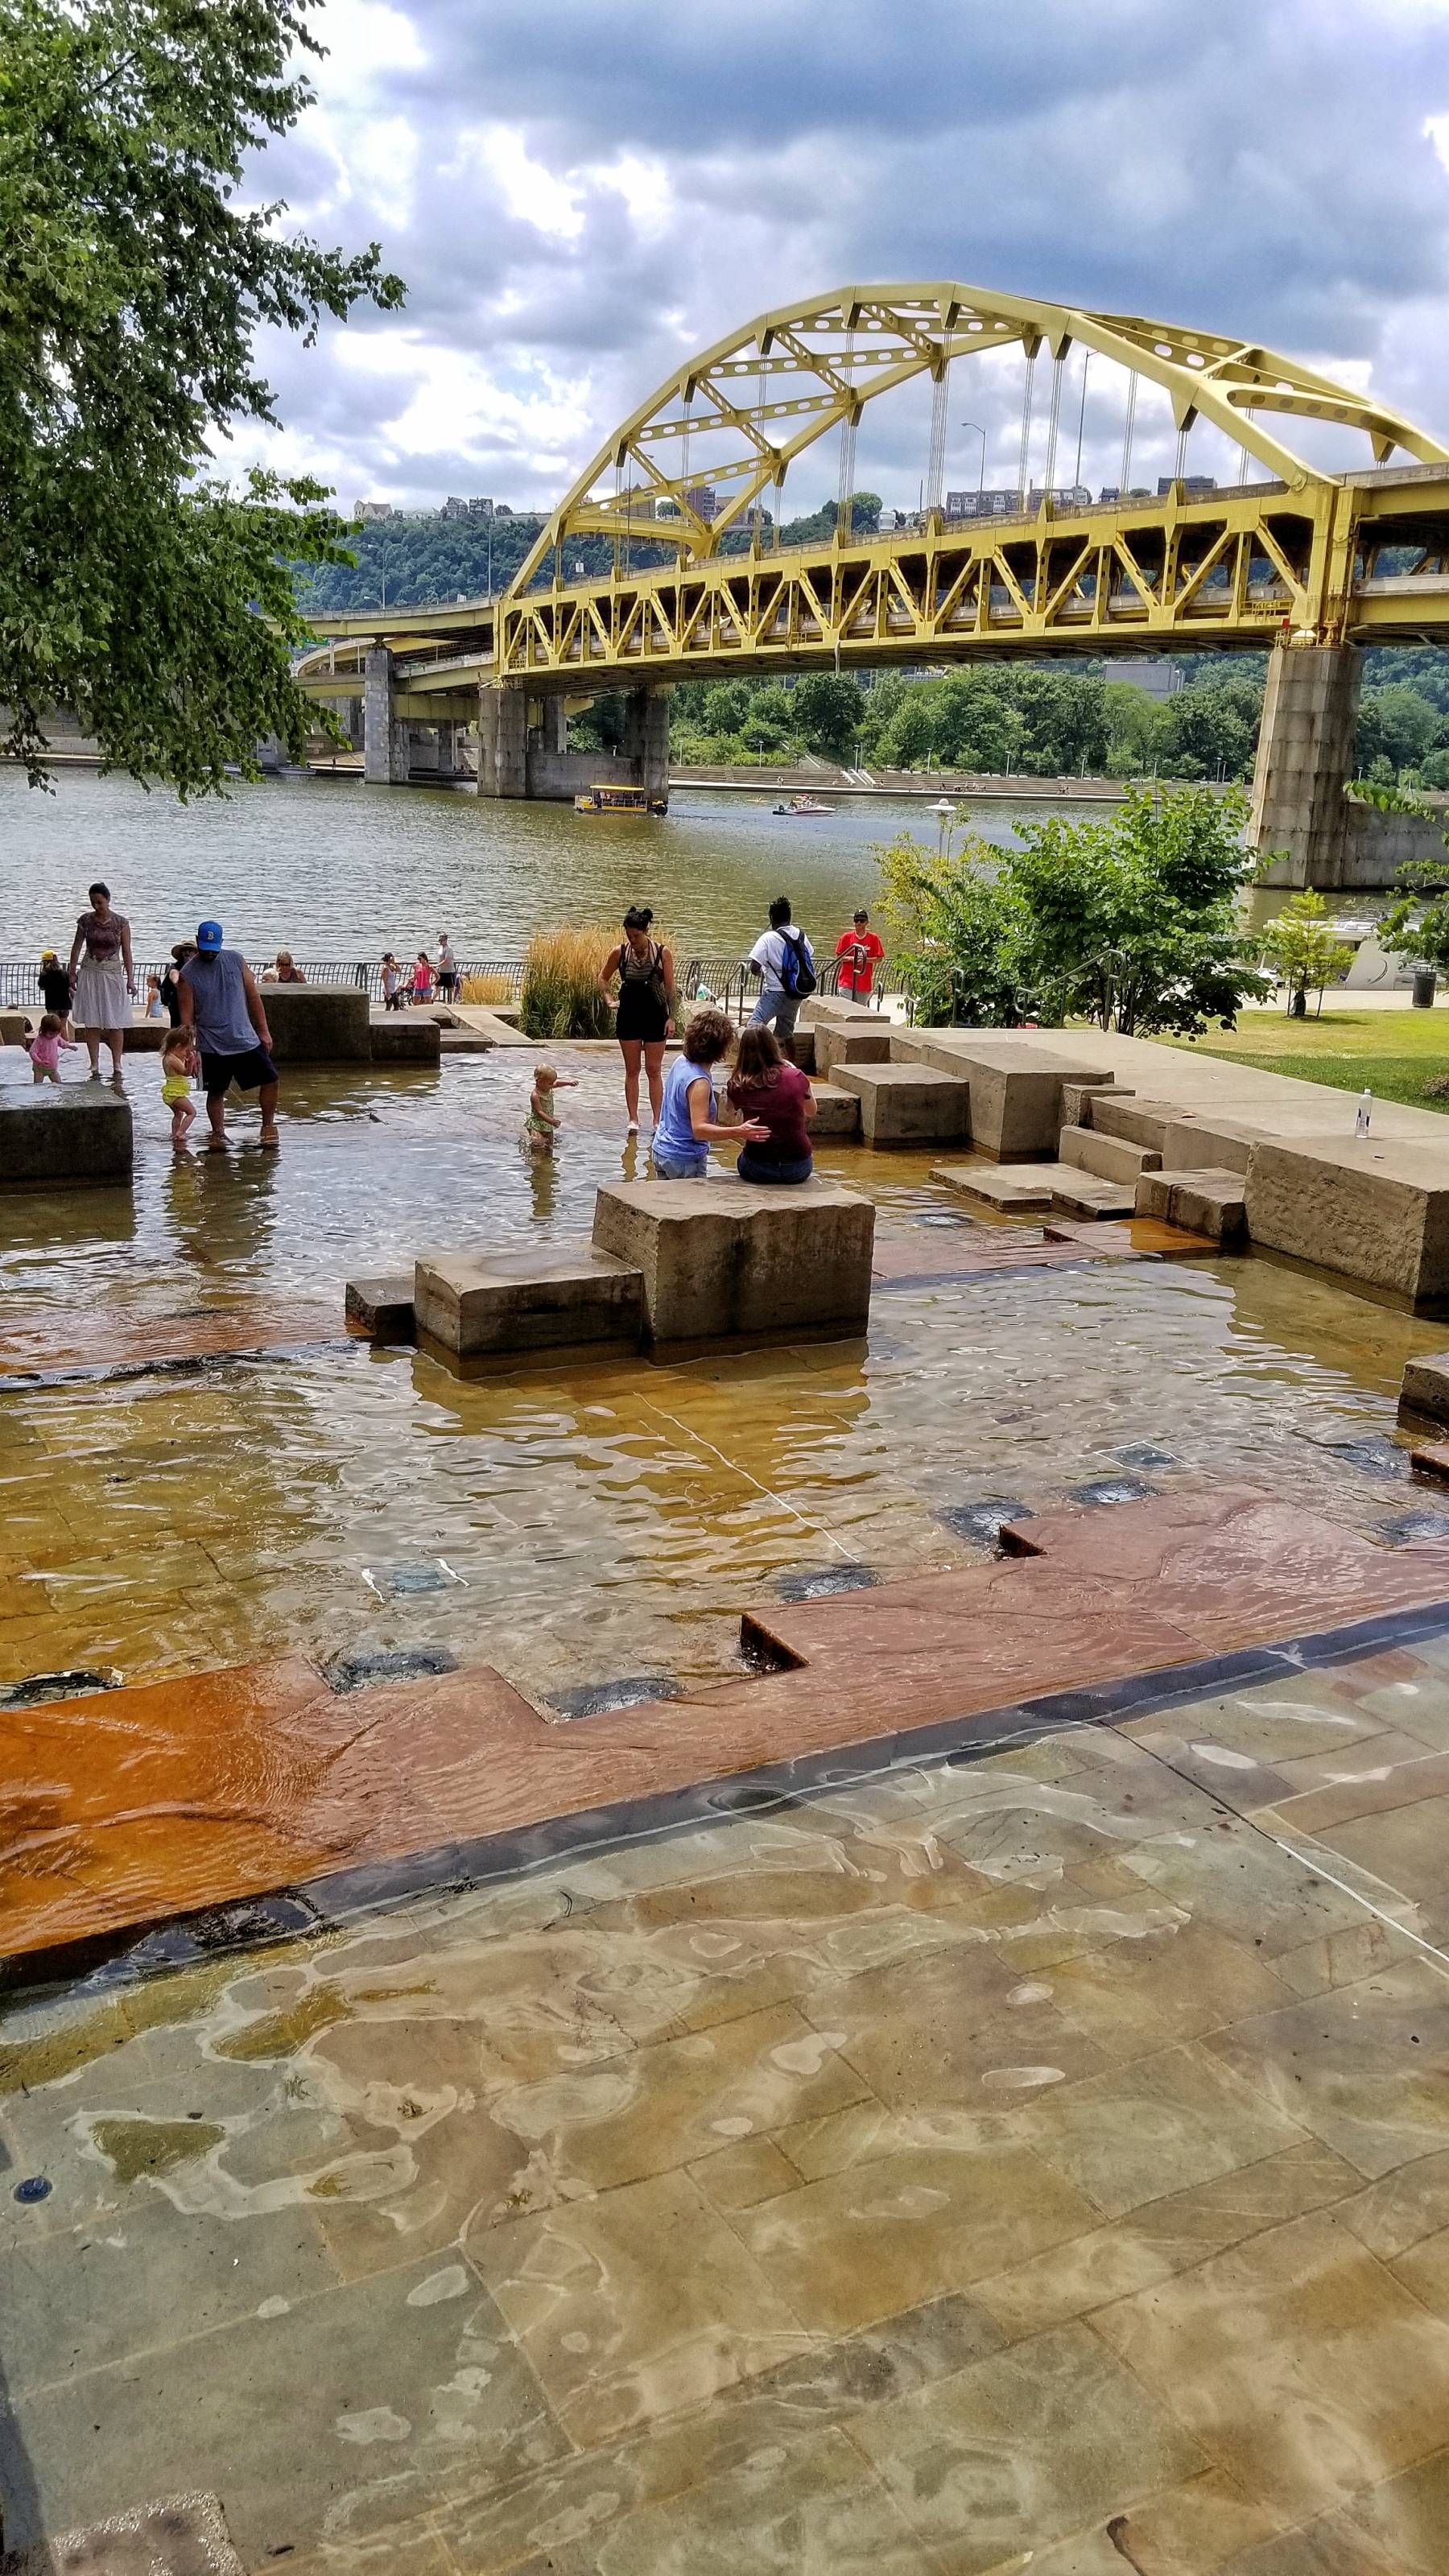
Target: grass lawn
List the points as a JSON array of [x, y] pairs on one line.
[[1395, 1052]]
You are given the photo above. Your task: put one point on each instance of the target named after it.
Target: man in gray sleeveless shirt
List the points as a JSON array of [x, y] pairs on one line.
[[220, 1002]]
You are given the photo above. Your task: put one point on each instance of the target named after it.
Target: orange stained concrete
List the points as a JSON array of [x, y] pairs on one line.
[[35, 1349], [136, 1805]]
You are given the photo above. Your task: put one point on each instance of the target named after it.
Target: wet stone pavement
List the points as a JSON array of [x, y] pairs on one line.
[[1038, 2160]]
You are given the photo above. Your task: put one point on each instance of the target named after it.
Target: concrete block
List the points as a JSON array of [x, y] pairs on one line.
[[1082, 1194], [1136, 1122], [1431, 1458], [1223, 1144], [907, 1104], [318, 1023], [1077, 1098], [800, 1050], [15, 1026], [837, 1112], [1112, 1158], [721, 1258], [539, 1298], [397, 1038], [835, 1046], [1014, 1080], [49, 1138], [1373, 1209], [464, 1042], [1014, 1188], [1204, 1202], [383, 1307], [1425, 1387]]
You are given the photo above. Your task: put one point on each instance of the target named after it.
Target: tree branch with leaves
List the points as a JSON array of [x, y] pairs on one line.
[[135, 585]]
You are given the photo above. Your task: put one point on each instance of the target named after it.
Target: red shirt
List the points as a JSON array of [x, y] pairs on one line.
[[779, 1105], [862, 952]]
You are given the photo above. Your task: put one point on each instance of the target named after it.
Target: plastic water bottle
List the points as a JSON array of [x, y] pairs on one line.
[[1365, 1111]]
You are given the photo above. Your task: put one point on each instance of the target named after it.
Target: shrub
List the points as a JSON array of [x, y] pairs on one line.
[[561, 996], [486, 988]]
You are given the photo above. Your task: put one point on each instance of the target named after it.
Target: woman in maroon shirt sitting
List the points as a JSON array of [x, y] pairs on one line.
[[768, 1092]]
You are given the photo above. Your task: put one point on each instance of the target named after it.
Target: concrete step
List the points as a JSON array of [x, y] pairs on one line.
[[1205, 1202], [1077, 1097], [1014, 1188], [837, 1112], [1111, 1158], [907, 1104], [1077, 1193]]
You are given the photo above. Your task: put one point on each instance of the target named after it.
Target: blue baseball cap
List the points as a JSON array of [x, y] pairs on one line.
[[208, 935]]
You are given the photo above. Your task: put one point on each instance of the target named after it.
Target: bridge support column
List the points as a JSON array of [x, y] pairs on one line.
[[384, 739], [1305, 760], [502, 741], [555, 724], [646, 738]]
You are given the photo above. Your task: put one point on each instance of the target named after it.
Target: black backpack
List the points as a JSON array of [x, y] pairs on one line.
[[797, 975]]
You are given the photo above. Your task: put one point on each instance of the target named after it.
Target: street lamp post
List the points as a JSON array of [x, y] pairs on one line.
[[975, 426]]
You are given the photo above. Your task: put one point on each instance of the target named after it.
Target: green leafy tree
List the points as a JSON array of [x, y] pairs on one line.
[[1397, 725], [1130, 919], [827, 711], [953, 919], [1418, 925], [1133, 919], [134, 585], [1301, 947]]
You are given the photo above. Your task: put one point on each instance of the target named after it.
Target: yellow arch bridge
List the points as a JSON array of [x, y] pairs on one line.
[[1286, 553]]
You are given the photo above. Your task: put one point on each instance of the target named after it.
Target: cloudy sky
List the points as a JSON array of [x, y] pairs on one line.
[[580, 194]]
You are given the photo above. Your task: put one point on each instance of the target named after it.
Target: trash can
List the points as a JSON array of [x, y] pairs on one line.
[[1425, 978]]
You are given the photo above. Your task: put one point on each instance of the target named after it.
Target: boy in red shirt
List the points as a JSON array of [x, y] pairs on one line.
[[860, 952]]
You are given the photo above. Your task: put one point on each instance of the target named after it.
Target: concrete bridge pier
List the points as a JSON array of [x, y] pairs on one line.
[[384, 738], [1305, 761], [502, 741], [646, 738]]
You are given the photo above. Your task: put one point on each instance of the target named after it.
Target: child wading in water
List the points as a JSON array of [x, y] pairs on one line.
[[179, 1067], [541, 1125], [46, 1049]]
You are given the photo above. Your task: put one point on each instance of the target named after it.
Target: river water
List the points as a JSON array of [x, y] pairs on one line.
[[331, 868]]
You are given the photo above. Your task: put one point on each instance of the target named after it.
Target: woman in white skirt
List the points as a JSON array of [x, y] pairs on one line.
[[105, 986]]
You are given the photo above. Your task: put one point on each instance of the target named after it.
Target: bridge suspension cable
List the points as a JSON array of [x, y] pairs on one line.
[[936, 451], [1126, 482], [731, 420], [1054, 415], [1023, 462]]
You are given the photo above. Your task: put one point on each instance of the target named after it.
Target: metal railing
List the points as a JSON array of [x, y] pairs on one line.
[[727, 978]]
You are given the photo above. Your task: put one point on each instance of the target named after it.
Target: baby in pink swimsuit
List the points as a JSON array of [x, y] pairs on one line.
[[46, 1050]]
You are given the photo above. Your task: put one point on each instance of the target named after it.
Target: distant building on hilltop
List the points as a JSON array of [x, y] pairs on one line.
[[1006, 505], [367, 511], [1152, 673], [453, 508], [479, 509], [1192, 484]]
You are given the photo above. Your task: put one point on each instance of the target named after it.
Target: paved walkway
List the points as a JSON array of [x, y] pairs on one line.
[[1040, 2160]]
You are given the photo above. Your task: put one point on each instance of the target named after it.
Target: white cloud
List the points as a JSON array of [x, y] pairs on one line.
[[529, 190]]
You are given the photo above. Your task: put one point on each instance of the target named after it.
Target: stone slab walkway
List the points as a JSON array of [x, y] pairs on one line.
[[1037, 2160], [136, 1807]]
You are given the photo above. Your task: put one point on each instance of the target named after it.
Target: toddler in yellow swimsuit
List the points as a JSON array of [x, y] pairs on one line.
[[541, 1124], [178, 1070]]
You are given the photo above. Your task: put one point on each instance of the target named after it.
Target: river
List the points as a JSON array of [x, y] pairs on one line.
[[331, 868]]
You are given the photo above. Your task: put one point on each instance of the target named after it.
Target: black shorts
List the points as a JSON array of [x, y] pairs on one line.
[[249, 1071], [641, 1015]]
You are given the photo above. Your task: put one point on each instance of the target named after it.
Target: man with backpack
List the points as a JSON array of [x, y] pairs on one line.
[[785, 963]]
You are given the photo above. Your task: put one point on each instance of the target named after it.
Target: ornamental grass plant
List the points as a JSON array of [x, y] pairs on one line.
[[561, 996]]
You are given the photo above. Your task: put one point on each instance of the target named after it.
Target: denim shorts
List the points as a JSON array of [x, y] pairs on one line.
[[757, 1167], [676, 1167]]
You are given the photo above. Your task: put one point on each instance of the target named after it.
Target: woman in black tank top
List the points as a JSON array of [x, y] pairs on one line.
[[645, 1015]]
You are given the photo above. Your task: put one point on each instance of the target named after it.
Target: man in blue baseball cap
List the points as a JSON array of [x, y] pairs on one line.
[[220, 1001]]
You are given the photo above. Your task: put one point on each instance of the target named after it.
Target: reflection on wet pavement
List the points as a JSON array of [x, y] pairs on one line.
[[1037, 2161]]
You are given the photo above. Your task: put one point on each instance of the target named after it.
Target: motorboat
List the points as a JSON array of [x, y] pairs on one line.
[[803, 805]]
